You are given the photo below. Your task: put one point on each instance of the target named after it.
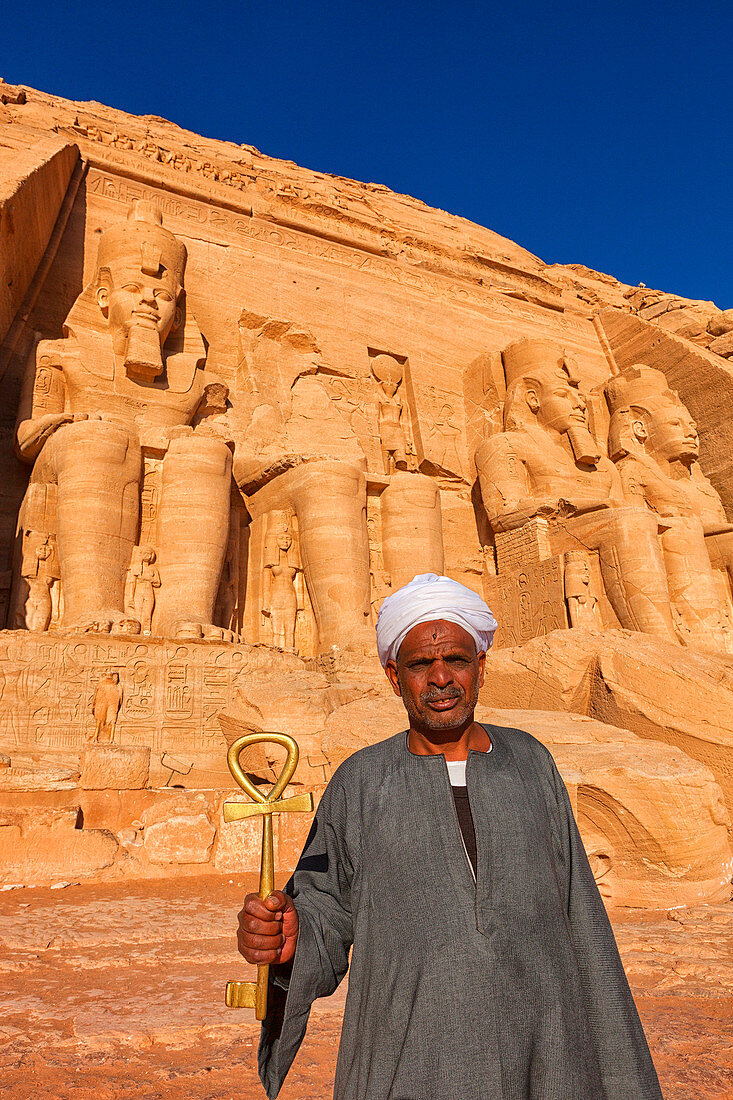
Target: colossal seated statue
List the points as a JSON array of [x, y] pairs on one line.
[[654, 442], [120, 390], [546, 465]]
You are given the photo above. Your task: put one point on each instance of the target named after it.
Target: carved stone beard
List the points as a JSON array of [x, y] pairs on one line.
[[143, 359], [585, 449]]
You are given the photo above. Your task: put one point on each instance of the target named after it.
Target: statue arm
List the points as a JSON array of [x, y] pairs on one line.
[[129, 594], [633, 481], [586, 498], [299, 584], [41, 409], [266, 591], [714, 519], [32, 434], [505, 487]]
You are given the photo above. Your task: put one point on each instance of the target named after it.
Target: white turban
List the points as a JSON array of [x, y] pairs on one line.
[[426, 598]]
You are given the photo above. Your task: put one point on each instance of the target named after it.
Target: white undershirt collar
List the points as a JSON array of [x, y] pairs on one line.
[[457, 771]]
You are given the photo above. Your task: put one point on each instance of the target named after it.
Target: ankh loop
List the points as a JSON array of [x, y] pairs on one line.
[[254, 994]]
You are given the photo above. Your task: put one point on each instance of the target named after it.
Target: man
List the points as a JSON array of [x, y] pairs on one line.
[[483, 963]]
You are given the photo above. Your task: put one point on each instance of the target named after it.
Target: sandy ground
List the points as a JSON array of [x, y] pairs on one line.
[[118, 992]]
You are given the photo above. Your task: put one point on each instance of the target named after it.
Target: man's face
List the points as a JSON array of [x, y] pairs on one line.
[[673, 433], [559, 405], [438, 675], [131, 297]]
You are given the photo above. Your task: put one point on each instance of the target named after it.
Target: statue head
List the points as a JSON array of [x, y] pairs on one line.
[[214, 400], [388, 373], [647, 417], [140, 269], [279, 536], [543, 388], [577, 573]]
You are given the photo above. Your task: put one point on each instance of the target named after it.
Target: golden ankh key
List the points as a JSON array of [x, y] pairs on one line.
[[254, 994]]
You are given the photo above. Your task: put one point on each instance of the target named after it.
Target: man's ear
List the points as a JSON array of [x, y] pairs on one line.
[[481, 668], [533, 401], [177, 318], [390, 671]]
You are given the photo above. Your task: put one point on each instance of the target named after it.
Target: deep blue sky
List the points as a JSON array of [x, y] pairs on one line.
[[596, 133]]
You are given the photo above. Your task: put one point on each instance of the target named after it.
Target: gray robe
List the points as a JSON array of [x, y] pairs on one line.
[[507, 987]]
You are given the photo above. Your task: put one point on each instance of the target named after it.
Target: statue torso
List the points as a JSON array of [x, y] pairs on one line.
[[691, 496], [137, 405]]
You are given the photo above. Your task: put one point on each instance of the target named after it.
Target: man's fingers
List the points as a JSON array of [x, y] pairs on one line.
[[277, 901], [261, 943], [254, 906], [261, 937], [260, 927], [261, 957]]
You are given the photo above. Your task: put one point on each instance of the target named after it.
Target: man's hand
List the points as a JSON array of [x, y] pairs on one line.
[[268, 930]]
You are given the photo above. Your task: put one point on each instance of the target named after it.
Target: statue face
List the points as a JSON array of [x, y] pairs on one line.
[[284, 541], [558, 405], [132, 297], [672, 433]]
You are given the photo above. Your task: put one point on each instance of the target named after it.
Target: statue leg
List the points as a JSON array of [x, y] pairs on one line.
[[330, 503], [632, 566], [412, 528], [98, 470], [192, 530], [38, 607], [720, 552], [693, 587]]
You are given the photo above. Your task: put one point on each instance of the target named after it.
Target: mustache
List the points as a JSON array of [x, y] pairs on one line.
[[435, 695]]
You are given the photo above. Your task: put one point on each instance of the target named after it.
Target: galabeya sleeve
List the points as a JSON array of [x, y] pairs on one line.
[[321, 889], [623, 1056]]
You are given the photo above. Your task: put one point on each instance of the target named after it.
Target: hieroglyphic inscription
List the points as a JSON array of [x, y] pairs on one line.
[[262, 231], [527, 603], [171, 693], [310, 204]]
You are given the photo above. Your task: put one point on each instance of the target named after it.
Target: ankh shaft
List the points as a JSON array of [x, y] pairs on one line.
[[254, 994], [267, 885]]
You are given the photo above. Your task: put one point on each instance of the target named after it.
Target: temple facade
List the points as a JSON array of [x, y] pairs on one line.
[[242, 403]]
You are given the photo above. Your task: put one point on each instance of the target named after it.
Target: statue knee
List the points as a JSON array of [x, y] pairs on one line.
[[92, 441]]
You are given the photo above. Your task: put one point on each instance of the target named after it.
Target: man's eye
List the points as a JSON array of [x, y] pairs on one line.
[[131, 287], [163, 295]]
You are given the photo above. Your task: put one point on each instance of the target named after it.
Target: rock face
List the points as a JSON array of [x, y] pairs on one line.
[[243, 403], [115, 767]]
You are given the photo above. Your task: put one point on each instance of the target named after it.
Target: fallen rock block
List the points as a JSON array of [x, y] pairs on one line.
[[114, 767], [177, 830], [180, 839], [44, 845]]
